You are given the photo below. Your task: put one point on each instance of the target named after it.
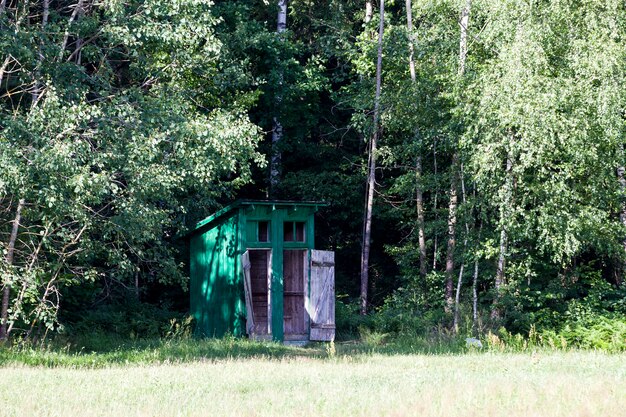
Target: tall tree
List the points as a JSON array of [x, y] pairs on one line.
[[463, 23], [505, 219], [452, 218], [277, 128], [621, 178], [419, 195], [454, 167], [371, 175]]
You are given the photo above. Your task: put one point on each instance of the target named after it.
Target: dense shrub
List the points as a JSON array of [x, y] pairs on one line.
[[124, 320]]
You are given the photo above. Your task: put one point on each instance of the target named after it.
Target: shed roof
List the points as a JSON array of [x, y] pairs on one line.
[[241, 203]]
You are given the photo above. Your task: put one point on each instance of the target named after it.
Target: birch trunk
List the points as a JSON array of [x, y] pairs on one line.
[[371, 176], [6, 292], [457, 300], [419, 199], [369, 11], [451, 234], [475, 296], [435, 199], [452, 207], [75, 13], [464, 23], [621, 177], [409, 28], [3, 68], [37, 87], [277, 127], [419, 202], [282, 16], [457, 297], [504, 238]]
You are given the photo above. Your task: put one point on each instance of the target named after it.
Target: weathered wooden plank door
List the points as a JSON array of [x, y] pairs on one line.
[[321, 305], [294, 291], [247, 286]]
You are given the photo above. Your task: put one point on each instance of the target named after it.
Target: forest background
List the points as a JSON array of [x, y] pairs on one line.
[[471, 152]]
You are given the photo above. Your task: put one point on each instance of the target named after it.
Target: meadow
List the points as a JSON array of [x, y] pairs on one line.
[[242, 378]]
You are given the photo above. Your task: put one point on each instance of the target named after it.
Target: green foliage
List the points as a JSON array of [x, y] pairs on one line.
[[347, 318], [123, 125], [126, 320], [595, 333], [111, 148], [414, 308]]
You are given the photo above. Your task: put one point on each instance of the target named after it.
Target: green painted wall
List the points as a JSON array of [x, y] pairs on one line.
[[216, 287]]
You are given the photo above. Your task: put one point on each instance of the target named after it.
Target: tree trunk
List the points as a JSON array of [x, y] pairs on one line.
[[420, 218], [457, 297], [464, 23], [371, 176], [277, 127], [6, 292], [504, 238], [369, 11], [409, 28], [75, 13], [453, 179], [621, 177], [281, 26], [137, 285], [418, 163], [457, 300], [435, 199], [451, 233], [475, 296], [3, 68], [3, 6], [37, 87]]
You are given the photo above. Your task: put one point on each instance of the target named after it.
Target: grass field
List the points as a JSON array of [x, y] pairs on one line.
[[271, 380]]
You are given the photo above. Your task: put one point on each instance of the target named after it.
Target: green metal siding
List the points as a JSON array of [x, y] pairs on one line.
[[216, 284]]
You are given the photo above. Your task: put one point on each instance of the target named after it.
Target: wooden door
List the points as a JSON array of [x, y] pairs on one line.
[[295, 319], [247, 287], [256, 265], [321, 305]]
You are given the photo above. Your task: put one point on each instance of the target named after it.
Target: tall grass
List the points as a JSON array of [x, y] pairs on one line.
[[300, 384]]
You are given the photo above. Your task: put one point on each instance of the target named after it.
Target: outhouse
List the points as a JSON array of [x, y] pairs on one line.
[[254, 271]]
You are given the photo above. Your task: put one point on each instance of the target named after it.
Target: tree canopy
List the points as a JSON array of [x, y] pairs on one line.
[[499, 176]]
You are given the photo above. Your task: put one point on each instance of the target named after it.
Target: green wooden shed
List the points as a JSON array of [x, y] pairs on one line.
[[254, 271]]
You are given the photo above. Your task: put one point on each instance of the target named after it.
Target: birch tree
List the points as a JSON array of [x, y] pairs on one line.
[[419, 196], [371, 176], [369, 11], [544, 178], [277, 128], [464, 26], [452, 207]]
